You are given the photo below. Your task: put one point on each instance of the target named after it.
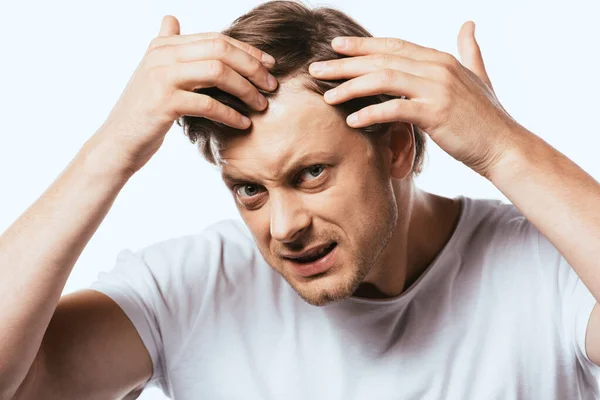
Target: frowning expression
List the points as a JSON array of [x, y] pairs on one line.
[[313, 193]]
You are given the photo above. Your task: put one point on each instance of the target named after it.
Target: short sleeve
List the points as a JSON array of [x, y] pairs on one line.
[[575, 303], [133, 286], [170, 290]]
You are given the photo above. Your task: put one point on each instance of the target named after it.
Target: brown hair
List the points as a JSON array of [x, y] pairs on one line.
[[296, 36]]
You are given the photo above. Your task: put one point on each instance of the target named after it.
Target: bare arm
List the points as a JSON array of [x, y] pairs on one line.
[[87, 348], [38, 251], [563, 202], [92, 343], [454, 102]]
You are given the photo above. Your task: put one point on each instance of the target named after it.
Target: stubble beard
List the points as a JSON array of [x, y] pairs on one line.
[[365, 259]]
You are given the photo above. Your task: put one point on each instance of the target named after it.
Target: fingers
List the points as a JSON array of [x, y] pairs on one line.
[[215, 73], [199, 105], [392, 110], [351, 67], [360, 46], [387, 81], [217, 49], [181, 39], [169, 26], [204, 60], [470, 53]]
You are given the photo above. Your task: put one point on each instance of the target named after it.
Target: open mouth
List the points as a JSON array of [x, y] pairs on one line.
[[316, 255]]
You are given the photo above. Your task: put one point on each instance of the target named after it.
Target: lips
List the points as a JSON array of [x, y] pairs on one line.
[[313, 254], [314, 262]]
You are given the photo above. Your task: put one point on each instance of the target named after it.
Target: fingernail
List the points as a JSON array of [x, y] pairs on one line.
[[262, 101], [246, 121], [352, 119], [340, 43], [268, 58], [272, 82], [317, 67], [330, 94]]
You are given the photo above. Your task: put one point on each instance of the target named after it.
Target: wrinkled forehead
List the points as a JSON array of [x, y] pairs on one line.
[[297, 122]]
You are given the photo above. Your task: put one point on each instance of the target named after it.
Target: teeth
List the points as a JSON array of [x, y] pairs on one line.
[[317, 254]]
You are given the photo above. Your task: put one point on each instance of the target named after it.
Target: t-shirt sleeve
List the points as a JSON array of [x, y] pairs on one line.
[[169, 290], [165, 288], [575, 302], [133, 286]]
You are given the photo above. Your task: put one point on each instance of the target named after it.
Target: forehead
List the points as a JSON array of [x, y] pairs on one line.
[[297, 122]]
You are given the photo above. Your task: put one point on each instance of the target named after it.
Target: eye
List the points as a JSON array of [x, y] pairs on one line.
[[246, 190], [311, 172]]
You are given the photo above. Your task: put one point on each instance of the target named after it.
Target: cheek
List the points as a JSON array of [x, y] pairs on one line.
[[354, 203]]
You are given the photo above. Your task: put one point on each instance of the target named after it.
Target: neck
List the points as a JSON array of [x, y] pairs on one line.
[[425, 224]]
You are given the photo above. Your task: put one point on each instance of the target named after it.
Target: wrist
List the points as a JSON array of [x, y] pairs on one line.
[[514, 159], [100, 157]]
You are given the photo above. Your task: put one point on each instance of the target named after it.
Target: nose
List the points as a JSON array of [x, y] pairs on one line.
[[288, 217]]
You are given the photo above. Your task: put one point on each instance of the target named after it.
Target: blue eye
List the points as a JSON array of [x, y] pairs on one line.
[[247, 190], [312, 172]]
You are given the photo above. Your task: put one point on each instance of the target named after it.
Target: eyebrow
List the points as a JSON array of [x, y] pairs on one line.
[[293, 168], [231, 180]]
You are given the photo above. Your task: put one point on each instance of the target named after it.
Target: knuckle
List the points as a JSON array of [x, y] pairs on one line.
[[156, 42], [449, 60], [355, 43], [160, 53], [395, 106], [216, 70], [382, 60], [256, 69], [158, 88], [386, 76], [207, 104], [172, 105], [219, 45], [248, 91], [444, 105], [232, 115], [443, 72], [393, 44]]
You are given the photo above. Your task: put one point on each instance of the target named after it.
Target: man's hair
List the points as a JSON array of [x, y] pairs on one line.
[[295, 36]]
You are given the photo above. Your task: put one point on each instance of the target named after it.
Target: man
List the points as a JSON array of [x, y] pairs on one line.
[[418, 296]]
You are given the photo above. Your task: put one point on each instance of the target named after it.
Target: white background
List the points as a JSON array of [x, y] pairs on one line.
[[63, 65]]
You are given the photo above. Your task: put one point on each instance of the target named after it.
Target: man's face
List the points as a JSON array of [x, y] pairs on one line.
[[303, 179]]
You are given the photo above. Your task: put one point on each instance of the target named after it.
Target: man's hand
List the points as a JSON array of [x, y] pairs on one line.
[[162, 89], [454, 104]]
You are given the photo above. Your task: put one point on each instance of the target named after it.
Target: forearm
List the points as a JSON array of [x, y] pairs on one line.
[[38, 251], [559, 198]]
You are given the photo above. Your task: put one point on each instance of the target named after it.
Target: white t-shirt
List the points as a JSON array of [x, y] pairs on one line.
[[499, 314]]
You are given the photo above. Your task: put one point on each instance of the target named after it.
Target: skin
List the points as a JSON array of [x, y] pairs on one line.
[[363, 198], [455, 104], [85, 346], [82, 345]]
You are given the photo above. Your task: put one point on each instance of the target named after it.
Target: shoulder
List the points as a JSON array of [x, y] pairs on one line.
[[225, 246], [498, 230], [494, 220], [209, 244]]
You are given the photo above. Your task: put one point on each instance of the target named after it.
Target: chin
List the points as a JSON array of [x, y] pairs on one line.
[[332, 286]]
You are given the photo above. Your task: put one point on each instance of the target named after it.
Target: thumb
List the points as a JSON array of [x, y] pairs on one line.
[[470, 53], [169, 26]]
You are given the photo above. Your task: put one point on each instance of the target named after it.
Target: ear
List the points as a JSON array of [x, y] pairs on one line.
[[400, 142]]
